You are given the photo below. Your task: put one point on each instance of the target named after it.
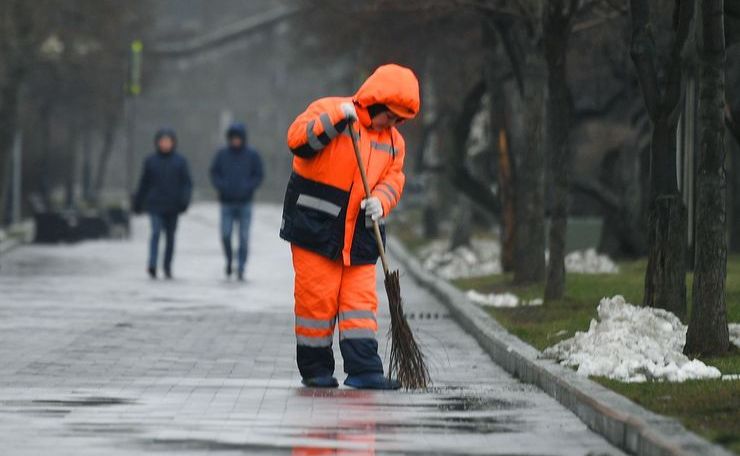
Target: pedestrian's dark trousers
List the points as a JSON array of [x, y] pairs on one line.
[[240, 213], [168, 223]]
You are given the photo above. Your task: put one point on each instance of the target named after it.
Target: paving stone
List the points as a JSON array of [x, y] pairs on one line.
[[95, 358]]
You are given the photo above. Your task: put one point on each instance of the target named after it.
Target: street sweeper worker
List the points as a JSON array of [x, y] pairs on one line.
[[328, 221]]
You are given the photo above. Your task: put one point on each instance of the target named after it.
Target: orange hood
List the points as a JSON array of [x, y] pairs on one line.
[[394, 86]]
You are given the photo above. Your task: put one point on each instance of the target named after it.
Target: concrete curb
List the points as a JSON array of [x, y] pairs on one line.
[[621, 421]]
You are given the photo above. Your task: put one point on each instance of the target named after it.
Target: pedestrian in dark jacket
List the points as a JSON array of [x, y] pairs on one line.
[[236, 172], [165, 189]]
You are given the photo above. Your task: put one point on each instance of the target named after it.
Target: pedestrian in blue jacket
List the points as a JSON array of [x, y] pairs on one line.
[[236, 172], [165, 189]]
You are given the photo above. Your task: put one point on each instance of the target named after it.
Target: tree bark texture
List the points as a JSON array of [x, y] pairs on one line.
[[665, 277], [9, 93], [499, 138], [522, 45], [708, 333], [557, 125], [508, 205], [667, 255], [105, 154], [529, 264]]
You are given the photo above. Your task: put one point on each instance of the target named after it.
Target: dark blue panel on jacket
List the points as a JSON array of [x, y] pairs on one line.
[[165, 186], [236, 173]]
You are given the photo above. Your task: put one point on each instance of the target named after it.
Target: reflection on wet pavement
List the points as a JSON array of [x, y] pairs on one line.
[[97, 359]]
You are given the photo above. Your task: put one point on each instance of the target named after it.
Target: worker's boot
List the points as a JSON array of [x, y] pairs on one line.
[[321, 382], [376, 381]]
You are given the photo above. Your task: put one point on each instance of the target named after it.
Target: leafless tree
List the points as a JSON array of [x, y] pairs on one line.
[[662, 88], [708, 333]]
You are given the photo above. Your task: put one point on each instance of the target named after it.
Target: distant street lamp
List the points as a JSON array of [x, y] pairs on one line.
[[137, 50]]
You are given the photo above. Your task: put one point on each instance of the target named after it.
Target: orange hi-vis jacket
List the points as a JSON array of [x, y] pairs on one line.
[[322, 203]]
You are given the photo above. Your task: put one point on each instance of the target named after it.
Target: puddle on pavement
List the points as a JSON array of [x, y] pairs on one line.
[[57, 408], [449, 425], [471, 403], [103, 428], [46, 413], [89, 401], [181, 445]]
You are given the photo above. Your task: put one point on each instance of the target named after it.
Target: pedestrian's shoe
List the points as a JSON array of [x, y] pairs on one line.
[[240, 276], [376, 381], [228, 270], [321, 382], [152, 272], [168, 273]]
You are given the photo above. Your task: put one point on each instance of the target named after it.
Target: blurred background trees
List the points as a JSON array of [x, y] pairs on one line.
[[555, 125], [62, 74]]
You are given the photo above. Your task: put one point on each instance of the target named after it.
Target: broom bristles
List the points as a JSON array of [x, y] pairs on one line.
[[406, 359]]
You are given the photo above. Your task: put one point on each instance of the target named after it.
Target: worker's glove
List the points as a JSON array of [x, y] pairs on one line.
[[373, 208], [349, 111]]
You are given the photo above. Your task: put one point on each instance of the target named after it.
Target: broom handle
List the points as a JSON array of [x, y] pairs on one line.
[[363, 175]]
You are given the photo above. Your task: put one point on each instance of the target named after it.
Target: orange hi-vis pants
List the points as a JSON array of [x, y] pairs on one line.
[[327, 292]]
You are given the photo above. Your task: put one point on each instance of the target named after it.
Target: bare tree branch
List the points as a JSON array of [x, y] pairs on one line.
[[644, 55], [674, 91], [732, 124]]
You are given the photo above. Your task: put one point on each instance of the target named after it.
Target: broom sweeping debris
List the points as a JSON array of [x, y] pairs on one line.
[[406, 359]]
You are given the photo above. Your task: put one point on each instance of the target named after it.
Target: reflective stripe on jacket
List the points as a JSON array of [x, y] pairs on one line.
[[322, 202]]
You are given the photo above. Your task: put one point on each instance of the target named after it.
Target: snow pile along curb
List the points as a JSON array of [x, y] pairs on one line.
[[631, 344]]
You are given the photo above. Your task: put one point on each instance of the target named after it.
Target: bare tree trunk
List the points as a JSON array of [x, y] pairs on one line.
[[665, 277], [708, 333], [9, 93], [529, 264], [462, 231], [105, 154], [45, 146], [506, 184], [522, 44], [557, 125], [500, 147], [87, 166], [71, 148]]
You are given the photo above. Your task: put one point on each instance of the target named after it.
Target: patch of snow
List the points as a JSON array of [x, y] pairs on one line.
[[735, 333], [483, 257], [501, 299], [480, 260], [590, 262], [631, 344]]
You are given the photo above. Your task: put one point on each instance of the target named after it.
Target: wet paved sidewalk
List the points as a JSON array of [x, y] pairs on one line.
[[97, 359]]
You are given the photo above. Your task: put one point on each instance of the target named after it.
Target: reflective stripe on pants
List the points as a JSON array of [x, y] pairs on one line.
[[327, 293]]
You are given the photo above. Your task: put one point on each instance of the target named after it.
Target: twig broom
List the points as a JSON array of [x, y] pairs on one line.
[[406, 360]]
